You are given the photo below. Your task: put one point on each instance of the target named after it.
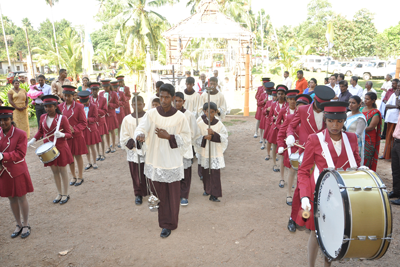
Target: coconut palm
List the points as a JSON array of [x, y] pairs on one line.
[[51, 4]]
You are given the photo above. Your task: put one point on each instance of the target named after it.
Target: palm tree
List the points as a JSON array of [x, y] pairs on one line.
[[71, 52], [51, 4], [105, 56]]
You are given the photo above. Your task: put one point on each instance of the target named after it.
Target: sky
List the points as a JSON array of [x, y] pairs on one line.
[[81, 12]]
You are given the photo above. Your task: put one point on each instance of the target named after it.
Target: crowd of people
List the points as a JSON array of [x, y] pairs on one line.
[[314, 127], [160, 143]]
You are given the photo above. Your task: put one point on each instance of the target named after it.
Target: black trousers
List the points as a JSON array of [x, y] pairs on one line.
[[396, 166], [39, 112]]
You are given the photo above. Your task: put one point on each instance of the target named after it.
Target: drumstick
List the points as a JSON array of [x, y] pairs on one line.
[[296, 144], [305, 214], [47, 137]]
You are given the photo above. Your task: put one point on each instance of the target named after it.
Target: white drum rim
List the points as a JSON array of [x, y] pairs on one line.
[[348, 219]]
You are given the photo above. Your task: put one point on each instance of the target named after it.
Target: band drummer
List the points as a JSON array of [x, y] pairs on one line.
[[309, 119], [15, 180], [54, 124], [168, 133], [75, 114], [331, 147]]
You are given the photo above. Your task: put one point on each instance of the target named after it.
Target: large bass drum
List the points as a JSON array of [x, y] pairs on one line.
[[352, 214]]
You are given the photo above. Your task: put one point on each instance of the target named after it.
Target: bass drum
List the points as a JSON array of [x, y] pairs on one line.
[[352, 214]]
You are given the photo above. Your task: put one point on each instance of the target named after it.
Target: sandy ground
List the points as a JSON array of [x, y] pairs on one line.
[[102, 226]]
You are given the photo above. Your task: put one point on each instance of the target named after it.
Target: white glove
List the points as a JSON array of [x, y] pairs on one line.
[[280, 150], [59, 134], [1, 156], [305, 203], [33, 140], [290, 141]]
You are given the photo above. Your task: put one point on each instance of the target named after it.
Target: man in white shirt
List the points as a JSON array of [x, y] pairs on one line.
[[220, 80], [368, 88], [332, 84], [354, 88], [46, 89], [386, 85], [286, 80]]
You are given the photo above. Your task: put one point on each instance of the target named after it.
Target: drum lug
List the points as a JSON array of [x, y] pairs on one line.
[[351, 169], [369, 188], [340, 169], [363, 168], [357, 188], [346, 239], [362, 237], [372, 237]]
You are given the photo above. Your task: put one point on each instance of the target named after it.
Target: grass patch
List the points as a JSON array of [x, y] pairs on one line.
[[253, 113], [228, 123], [238, 121], [32, 122]]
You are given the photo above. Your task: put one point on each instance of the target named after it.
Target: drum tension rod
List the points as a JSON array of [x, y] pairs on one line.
[[368, 188], [355, 188]]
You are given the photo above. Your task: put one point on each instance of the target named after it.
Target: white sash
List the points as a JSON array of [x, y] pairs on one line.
[[350, 155], [58, 127]]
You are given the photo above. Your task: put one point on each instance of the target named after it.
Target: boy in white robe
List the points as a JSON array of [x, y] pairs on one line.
[[215, 96], [166, 132], [158, 85], [129, 144], [217, 137], [192, 98], [187, 158]]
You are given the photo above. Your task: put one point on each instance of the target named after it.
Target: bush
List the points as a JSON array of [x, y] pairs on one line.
[[4, 97]]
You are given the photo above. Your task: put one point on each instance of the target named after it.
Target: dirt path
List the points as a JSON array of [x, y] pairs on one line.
[[103, 227]]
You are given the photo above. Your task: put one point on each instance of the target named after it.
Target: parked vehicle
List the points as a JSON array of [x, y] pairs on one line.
[[376, 68], [348, 68], [334, 66], [311, 61]]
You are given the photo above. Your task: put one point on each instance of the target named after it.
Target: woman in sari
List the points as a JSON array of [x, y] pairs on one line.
[[356, 123], [311, 86], [372, 132]]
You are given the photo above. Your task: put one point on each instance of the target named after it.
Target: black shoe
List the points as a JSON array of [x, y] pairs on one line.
[[55, 201], [381, 157], [138, 200], [165, 233], [393, 195], [291, 226], [276, 169], [79, 183], [289, 203], [15, 234], [205, 194], [98, 158], [108, 151], [88, 166], [72, 183], [281, 183], [64, 201], [27, 233], [103, 158], [214, 199], [395, 202]]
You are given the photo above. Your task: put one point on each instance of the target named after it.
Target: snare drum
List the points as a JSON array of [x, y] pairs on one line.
[[47, 152], [294, 160], [352, 214]]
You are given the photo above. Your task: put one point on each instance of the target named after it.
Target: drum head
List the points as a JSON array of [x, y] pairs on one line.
[[329, 215], [45, 147]]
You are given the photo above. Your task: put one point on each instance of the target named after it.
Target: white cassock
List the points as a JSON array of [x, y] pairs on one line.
[[192, 103], [218, 99]]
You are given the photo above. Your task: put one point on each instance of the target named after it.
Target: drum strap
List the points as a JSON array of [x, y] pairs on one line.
[[350, 155], [325, 149], [57, 128]]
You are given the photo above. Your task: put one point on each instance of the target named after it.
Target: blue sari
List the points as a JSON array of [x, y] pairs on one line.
[[351, 126]]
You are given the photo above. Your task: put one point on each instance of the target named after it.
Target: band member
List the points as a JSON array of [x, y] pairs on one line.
[[127, 92], [262, 100], [90, 133], [217, 138], [120, 110], [101, 104], [168, 133], [56, 125], [276, 107], [129, 144], [301, 100], [329, 148], [15, 181], [283, 113], [75, 114], [111, 117], [310, 118], [188, 157], [192, 99], [215, 96], [156, 95], [267, 122], [258, 116]]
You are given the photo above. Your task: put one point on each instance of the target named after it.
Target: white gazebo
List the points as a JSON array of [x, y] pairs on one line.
[[209, 22]]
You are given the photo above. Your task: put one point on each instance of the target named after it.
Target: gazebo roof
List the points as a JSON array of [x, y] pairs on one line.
[[208, 22]]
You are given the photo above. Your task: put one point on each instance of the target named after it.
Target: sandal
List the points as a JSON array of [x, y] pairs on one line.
[[57, 199], [15, 234], [108, 151], [103, 158], [282, 183], [27, 233], [65, 200], [88, 166], [267, 158], [95, 166], [79, 183], [73, 182], [289, 203], [98, 158], [276, 169], [113, 150]]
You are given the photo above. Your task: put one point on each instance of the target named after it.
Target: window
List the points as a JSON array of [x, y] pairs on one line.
[[318, 60], [380, 65]]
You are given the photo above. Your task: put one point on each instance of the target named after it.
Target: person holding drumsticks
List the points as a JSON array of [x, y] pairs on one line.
[[75, 114], [49, 122], [15, 181], [330, 148]]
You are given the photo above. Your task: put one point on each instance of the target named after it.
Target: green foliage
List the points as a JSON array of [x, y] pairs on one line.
[[365, 33], [4, 97], [46, 28], [388, 42]]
